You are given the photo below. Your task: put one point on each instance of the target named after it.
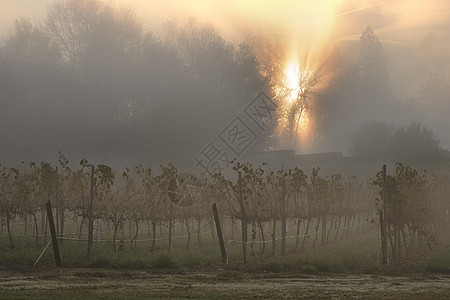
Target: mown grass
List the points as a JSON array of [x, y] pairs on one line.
[[74, 254], [438, 262], [357, 254], [198, 272]]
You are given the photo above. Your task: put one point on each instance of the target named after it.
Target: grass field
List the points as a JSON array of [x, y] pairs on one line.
[[356, 254], [342, 269]]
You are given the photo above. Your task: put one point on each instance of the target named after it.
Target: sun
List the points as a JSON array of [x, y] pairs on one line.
[[297, 85], [292, 81]]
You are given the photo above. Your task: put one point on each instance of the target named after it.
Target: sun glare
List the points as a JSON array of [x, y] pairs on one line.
[[303, 125], [292, 81], [295, 90]]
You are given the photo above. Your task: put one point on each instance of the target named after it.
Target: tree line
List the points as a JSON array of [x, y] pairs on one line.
[[92, 80]]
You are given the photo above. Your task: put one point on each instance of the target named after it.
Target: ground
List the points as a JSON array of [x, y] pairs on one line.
[[52, 283]]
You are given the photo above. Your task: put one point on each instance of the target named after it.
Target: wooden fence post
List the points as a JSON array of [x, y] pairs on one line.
[[219, 234], [91, 220], [383, 222], [170, 225], [244, 219], [283, 217], [53, 233]]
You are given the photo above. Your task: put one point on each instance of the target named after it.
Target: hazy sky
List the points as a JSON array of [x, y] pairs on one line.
[[400, 21], [414, 33]]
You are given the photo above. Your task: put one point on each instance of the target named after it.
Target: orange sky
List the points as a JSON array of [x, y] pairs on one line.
[[411, 31], [316, 20]]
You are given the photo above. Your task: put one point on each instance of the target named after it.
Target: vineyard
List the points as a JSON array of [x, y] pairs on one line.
[[263, 213]]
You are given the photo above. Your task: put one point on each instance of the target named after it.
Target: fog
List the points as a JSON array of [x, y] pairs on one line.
[[143, 82]]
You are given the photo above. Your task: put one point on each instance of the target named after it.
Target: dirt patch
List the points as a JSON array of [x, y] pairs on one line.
[[115, 284]]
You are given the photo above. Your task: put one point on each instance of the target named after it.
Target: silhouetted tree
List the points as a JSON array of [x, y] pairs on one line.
[[372, 61], [359, 91]]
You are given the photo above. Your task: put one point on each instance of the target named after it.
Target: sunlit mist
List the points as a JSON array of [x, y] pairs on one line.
[[292, 80], [189, 59], [298, 84], [301, 78]]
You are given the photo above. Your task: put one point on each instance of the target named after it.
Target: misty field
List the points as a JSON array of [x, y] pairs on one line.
[[288, 231], [342, 269], [224, 149]]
